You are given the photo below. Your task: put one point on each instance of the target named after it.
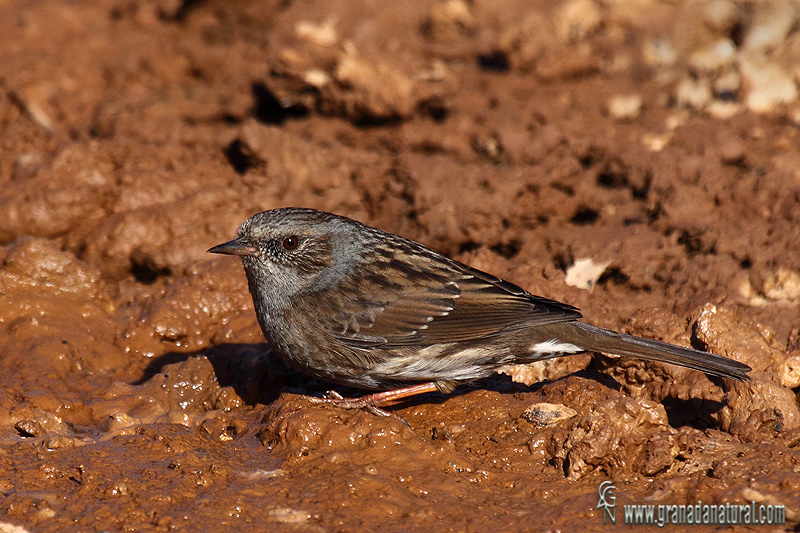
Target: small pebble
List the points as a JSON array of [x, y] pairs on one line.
[[625, 107], [547, 414]]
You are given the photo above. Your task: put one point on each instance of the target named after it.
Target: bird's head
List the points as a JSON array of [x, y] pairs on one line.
[[290, 251]]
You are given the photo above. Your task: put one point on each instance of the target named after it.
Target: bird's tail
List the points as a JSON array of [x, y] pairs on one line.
[[594, 339]]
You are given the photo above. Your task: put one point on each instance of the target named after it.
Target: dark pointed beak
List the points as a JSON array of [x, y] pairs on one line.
[[238, 246]]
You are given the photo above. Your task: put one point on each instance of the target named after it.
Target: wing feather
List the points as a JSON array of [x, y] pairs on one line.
[[439, 301]]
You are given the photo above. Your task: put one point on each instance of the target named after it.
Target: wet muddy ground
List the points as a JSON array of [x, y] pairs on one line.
[[638, 159]]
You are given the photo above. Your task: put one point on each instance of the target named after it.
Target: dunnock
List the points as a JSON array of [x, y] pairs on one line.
[[356, 306]]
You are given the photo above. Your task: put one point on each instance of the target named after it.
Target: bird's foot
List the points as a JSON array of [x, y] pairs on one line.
[[370, 402], [364, 402]]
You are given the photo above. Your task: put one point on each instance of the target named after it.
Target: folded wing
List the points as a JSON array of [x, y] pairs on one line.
[[434, 300]]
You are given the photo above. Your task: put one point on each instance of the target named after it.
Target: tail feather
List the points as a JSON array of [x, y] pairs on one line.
[[603, 340]]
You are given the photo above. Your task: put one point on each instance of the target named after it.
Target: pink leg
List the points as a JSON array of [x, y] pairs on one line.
[[371, 401]]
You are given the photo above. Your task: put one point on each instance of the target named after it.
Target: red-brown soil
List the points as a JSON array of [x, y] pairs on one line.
[[657, 138]]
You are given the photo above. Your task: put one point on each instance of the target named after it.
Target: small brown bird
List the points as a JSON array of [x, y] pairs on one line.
[[356, 306]]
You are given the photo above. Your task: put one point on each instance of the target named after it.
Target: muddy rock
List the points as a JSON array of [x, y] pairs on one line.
[[374, 91], [210, 297], [151, 241], [759, 408], [549, 370], [616, 432], [449, 21], [75, 186], [57, 318], [185, 393], [727, 331], [765, 404]]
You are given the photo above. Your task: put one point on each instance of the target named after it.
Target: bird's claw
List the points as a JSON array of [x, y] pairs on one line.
[[335, 399]]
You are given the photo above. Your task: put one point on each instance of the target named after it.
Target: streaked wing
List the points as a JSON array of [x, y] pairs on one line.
[[438, 301]]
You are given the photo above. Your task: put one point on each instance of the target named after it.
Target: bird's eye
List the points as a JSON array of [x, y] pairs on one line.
[[290, 243]]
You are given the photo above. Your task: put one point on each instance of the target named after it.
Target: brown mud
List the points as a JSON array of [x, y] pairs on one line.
[[646, 150]]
